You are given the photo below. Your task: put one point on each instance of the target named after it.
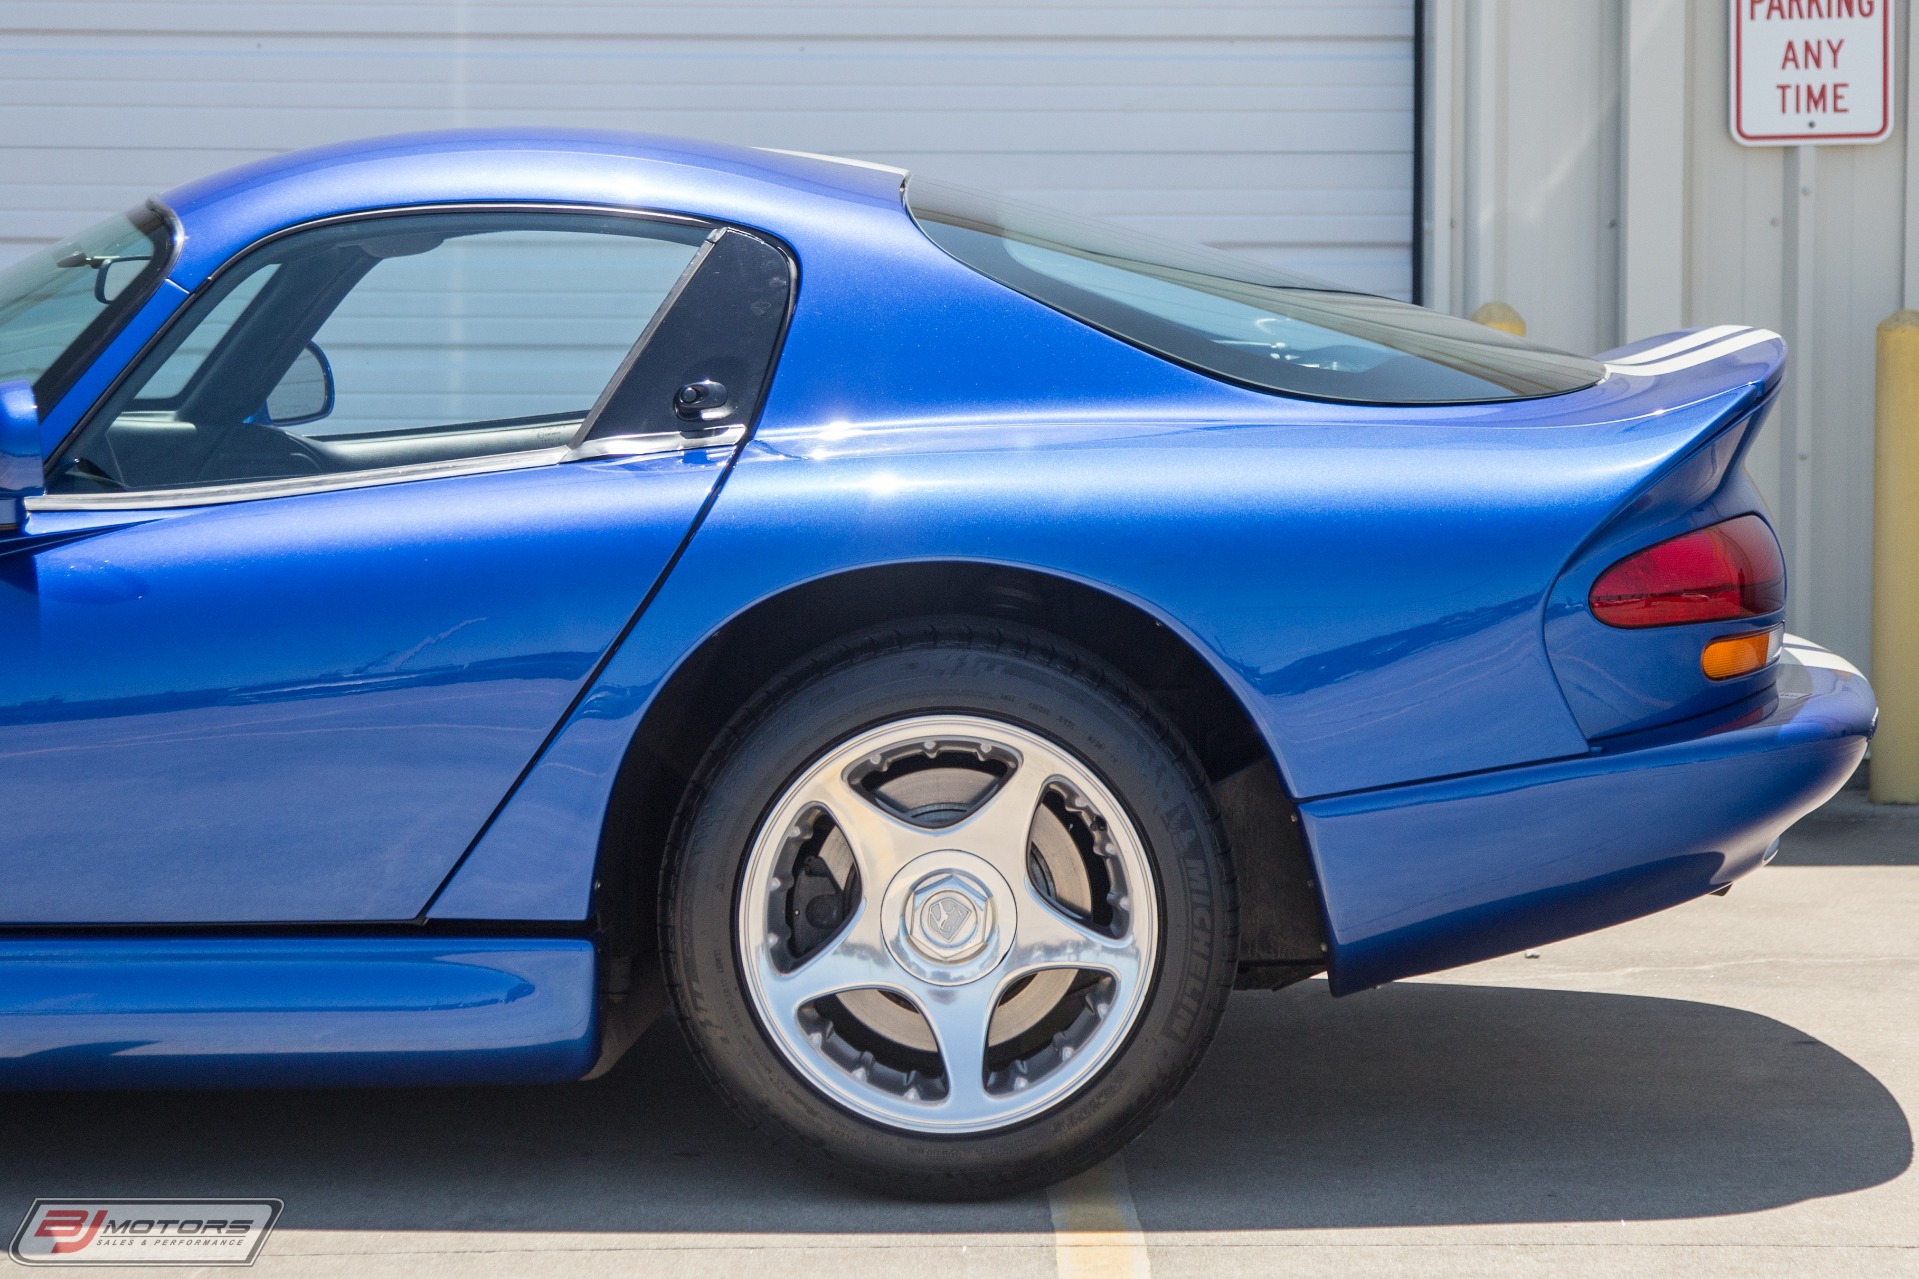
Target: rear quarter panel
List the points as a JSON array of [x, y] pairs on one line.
[[1370, 582]]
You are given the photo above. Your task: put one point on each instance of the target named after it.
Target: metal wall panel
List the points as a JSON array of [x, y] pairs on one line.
[[1524, 141], [1281, 130]]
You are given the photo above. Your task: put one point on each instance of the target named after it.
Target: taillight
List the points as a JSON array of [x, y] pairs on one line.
[[1714, 574]]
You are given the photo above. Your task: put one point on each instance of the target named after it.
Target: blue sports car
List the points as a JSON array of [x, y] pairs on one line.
[[462, 593]]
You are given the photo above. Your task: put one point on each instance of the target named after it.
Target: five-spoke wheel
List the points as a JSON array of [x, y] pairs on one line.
[[947, 923], [949, 906]]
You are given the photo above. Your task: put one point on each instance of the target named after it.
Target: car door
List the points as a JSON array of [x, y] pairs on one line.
[[310, 588]]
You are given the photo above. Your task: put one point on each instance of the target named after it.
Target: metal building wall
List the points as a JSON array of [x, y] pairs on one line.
[[1581, 170], [1279, 129]]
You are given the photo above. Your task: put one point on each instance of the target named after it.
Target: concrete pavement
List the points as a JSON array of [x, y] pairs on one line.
[[1724, 1089]]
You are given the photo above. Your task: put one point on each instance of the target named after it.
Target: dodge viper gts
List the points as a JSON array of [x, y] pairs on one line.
[[462, 594]]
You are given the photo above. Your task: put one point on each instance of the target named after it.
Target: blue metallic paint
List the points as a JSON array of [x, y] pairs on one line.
[[1391, 593], [1620, 681], [294, 1011], [1429, 876], [1370, 585], [305, 708]]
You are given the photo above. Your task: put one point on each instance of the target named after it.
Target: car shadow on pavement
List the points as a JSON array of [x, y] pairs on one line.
[[1419, 1103], [1434, 1103]]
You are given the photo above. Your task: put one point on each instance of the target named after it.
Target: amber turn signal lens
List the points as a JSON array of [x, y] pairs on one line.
[[1740, 654]]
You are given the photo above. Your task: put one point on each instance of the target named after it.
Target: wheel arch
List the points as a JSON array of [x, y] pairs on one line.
[[1281, 915]]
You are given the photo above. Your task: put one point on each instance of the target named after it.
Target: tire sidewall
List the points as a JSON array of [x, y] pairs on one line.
[[1071, 701]]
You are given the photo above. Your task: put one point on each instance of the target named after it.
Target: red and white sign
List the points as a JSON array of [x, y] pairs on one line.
[[1811, 71], [144, 1232]]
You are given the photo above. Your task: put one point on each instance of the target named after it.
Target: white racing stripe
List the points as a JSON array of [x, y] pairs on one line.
[[1807, 653], [1691, 340], [1096, 1232], [1697, 356]]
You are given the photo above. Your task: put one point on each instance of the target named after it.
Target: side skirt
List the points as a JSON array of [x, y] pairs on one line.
[[284, 1011]]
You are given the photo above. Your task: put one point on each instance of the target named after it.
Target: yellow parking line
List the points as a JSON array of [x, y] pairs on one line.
[[1096, 1232]]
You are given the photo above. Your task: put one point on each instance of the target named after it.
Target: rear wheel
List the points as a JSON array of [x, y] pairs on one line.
[[950, 908]]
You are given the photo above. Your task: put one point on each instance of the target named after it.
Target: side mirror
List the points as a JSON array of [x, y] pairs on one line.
[[305, 391], [22, 474]]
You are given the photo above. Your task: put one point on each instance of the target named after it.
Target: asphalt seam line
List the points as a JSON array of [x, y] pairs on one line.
[[1096, 1233]]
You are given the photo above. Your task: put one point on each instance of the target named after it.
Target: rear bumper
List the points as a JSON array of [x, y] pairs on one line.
[[1419, 878]]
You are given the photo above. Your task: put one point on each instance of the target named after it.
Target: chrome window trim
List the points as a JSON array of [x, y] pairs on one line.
[[257, 490]]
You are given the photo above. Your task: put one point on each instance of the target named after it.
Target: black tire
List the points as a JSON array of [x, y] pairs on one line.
[[988, 669]]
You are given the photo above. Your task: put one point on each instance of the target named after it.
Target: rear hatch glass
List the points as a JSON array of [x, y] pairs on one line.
[[1235, 318]]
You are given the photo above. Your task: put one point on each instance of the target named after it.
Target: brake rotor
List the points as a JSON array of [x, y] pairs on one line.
[[940, 796]]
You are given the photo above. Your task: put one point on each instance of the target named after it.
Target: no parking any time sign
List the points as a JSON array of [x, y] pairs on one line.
[[1811, 71]]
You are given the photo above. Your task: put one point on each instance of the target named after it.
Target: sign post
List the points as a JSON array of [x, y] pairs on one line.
[[1811, 72]]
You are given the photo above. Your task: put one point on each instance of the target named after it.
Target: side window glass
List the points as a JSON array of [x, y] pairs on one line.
[[387, 343], [171, 377], [505, 328]]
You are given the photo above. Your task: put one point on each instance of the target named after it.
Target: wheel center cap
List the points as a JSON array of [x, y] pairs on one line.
[[950, 917]]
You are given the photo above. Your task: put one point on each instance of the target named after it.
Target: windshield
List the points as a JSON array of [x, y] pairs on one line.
[[60, 305], [1238, 319]]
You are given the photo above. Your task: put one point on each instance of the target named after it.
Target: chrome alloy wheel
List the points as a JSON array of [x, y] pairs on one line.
[[947, 924]]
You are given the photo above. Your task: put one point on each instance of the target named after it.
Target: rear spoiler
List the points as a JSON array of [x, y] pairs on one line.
[[1698, 398], [1675, 353]]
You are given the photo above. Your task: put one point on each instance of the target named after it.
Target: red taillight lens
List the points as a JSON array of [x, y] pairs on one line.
[[1713, 574]]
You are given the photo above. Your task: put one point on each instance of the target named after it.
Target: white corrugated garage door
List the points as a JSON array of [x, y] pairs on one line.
[[1280, 130]]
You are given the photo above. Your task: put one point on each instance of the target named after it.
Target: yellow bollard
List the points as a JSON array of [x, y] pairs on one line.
[[1895, 563], [1497, 315]]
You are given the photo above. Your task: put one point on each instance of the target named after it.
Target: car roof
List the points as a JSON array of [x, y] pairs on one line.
[[778, 191]]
